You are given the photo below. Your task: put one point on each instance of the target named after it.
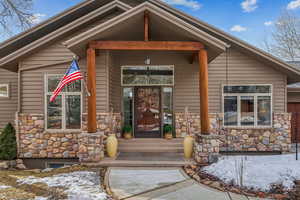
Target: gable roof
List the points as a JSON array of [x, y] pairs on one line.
[[10, 60], [25, 39], [214, 45], [51, 24], [292, 71]]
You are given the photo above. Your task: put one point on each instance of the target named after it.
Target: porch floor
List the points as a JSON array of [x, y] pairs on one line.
[[136, 156]]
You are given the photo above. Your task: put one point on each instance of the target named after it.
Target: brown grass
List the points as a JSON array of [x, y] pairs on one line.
[[26, 191]]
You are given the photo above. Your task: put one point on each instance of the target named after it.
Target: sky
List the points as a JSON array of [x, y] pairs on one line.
[[249, 20]]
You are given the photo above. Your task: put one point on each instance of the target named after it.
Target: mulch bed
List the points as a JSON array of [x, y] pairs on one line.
[[277, 191]]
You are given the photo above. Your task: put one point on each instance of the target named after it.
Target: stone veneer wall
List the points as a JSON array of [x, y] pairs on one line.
[[35, 142], [275, 138], [103, 123], [91, 147]]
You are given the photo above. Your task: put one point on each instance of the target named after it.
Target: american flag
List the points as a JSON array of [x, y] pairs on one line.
[[71, 75]]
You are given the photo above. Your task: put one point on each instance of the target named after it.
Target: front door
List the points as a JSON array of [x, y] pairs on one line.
[[147, 112]]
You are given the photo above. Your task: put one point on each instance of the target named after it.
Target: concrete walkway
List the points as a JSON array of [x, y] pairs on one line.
[[161, 184]]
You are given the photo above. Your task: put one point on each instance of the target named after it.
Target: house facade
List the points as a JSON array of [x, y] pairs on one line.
[[145, 64]]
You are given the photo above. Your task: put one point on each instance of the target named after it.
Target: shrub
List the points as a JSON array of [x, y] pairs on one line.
[[168, 128], [8, 144], [127, 129]]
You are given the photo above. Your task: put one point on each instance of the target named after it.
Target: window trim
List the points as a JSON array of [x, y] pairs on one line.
[[63, 95], [132, 85], [255, 95], [7, 85]]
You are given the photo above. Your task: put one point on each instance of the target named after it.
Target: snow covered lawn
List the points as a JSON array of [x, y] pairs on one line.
[[259, 172], [80, 185]]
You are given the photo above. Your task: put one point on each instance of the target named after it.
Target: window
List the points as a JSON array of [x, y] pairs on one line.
[[247, 105], [56, 165], [128, 106], [4, 90], [167, 103], [65, 111], [147, 75]]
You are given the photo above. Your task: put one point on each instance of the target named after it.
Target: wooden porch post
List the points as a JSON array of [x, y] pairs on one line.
[[203, 87], [91, 83]]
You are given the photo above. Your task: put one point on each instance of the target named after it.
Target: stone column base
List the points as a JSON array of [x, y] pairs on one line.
[[206, 148], [91, 147]]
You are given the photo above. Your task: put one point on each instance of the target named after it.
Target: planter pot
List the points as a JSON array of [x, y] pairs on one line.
[[188, 146], [112, 146], [168, 136], [127, 135]]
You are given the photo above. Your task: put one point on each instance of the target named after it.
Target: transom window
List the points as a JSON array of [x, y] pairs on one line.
[[65, 111], [147, 75], [247, 105]]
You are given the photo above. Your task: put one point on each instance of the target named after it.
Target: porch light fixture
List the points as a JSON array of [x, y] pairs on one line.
[[147, 61]]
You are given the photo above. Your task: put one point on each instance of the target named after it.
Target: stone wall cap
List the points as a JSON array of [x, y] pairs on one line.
[[92, 134]]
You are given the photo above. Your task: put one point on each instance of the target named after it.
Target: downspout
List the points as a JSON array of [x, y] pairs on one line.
[[17, 121]]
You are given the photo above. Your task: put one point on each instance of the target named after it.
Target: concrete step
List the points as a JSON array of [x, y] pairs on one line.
[[154, 145], [125, 145], [151, 141], [130, 163], [152, 149]]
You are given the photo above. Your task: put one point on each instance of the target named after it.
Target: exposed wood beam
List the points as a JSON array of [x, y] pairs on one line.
[[146, 26], [91, 84], [203, 87], [142, 45]]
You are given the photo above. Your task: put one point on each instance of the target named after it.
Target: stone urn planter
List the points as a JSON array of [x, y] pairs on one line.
[[188, 146], [112, 146]]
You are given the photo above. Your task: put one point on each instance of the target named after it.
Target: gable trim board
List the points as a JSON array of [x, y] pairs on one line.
[[9, 59]]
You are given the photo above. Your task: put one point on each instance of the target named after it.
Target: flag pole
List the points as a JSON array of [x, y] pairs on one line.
[[83, 80]]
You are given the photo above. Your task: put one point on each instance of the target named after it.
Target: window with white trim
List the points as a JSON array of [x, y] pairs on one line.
[[65, 112], [4, 90], [247, 105]]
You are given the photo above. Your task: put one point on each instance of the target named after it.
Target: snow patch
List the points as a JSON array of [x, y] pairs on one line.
[[2, 187], [260, 172], [82, 185]]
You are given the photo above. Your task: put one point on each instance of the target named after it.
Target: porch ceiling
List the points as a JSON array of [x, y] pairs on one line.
[[129, 26]]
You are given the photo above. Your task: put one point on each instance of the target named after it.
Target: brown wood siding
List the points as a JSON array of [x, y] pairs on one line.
[[32, 79], [186, 91], [114, 84], [54, 53], [243, 69], [32, 84], [293, 97], [8, 106]]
